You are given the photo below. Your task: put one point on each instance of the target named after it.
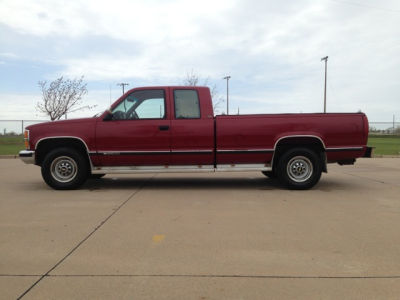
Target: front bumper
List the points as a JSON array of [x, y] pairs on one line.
[[27, 156]]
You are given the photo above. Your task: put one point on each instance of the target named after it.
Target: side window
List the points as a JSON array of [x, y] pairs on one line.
[[151, 109], [187, 104], [148, 104]]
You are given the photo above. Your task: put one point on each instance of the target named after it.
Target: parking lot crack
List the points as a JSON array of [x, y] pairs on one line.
[[104, 221], [233, 276]]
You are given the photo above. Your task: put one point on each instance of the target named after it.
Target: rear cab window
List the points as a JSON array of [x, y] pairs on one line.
[[187, 104]]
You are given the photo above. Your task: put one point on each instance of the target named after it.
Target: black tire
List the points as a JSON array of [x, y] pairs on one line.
[[269, 174], [299, 169], [96, 176], [65, 169]]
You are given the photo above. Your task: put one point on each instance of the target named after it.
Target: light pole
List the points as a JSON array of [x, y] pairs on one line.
[[123, 86], [326, 70], [227, 93]]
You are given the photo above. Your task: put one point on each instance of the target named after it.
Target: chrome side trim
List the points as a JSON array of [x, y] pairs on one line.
[[113, 152], [152, 169], [180, 169], [243, 167], [333, 149], [192, 151], [27, 156], [149, 152], [245, 150]]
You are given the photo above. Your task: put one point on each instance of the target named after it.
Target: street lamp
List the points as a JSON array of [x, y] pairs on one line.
[[227, 93], [326, 66]]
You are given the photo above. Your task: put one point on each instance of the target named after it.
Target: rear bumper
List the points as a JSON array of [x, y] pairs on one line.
[[27, 156], [368, 151]]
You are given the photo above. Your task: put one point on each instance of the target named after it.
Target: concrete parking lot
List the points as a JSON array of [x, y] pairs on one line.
[[202, 236]]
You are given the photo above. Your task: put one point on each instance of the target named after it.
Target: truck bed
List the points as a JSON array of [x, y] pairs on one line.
[[254, 138]]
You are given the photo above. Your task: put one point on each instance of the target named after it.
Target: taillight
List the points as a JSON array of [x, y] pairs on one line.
[[366, 128], [26, 139]]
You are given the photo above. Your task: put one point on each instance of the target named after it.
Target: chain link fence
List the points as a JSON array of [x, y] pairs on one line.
[[384, 128], [16, 127]]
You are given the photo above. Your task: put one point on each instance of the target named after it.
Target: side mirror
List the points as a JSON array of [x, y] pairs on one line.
[[109, 116]]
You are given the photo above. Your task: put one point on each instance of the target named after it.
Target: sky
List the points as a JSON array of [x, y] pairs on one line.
[[271, 49]]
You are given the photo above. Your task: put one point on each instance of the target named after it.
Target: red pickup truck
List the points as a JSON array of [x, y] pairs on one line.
[[173, 129]]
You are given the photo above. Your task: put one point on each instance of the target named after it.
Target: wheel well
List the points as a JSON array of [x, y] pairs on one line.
[[47, 145], [312, 143]]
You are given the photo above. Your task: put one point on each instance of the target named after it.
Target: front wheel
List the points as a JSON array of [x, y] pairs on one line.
[[64, 169], [299, 169]]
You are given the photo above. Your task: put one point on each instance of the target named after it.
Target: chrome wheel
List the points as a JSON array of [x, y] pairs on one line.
[[299, 169], [63, 169]]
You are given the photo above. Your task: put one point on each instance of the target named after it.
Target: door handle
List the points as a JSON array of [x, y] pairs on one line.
[[163, 127]]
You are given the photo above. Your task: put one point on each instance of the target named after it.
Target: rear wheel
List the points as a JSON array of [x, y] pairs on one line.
[[64, 169], [299, 168]]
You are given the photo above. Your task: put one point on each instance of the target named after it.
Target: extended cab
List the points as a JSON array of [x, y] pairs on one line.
[[173, 129]]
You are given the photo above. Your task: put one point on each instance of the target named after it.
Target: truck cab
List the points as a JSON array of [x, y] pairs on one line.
[[158, 126]]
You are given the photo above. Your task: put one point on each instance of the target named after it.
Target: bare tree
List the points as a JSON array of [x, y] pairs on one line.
[[62, 96], [192, 79]]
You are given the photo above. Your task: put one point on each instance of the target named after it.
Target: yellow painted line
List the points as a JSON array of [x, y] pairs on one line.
[[158, 238]]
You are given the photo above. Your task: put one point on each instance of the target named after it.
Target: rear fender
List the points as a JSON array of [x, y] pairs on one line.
[[314, 143]]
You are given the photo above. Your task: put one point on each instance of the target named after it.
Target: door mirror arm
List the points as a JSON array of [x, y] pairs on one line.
[[109, 116]]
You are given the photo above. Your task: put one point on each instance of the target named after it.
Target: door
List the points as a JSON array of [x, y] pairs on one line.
[[138, 133], [192, 133]]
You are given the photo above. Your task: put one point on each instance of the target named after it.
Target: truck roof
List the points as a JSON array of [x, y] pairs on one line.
[[168, 86]]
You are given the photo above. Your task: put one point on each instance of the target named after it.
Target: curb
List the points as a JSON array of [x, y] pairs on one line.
[[8, 156]]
